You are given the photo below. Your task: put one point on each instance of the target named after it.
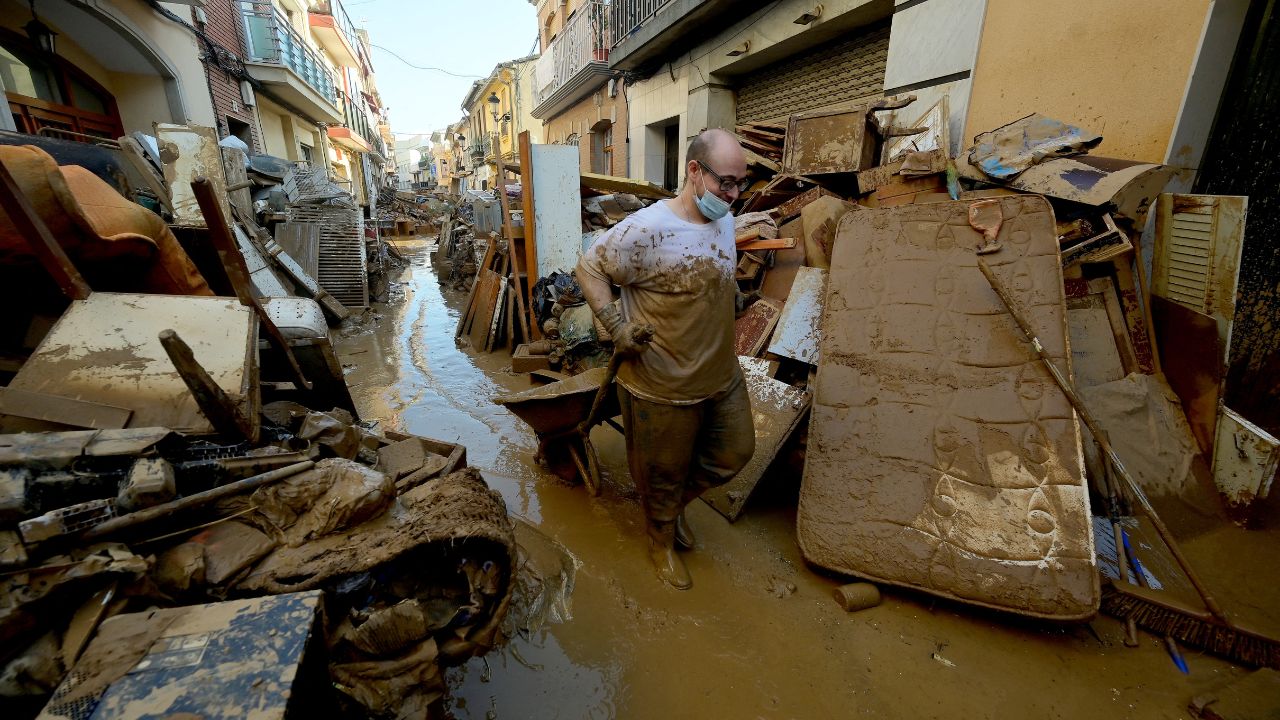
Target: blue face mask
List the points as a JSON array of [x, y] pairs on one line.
[[712, 206]]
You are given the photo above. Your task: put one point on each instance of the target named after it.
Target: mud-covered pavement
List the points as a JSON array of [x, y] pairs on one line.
[[759, 635]]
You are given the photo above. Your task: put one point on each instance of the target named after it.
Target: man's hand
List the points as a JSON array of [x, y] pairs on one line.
[[629, 339]]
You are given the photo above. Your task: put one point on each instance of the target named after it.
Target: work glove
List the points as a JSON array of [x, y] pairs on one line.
[[629, 339]]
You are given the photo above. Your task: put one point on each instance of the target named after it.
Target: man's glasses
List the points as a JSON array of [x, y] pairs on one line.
[[727, 184]]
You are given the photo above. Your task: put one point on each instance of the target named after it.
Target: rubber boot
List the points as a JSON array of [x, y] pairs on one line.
[[666, 562], [684, 533]]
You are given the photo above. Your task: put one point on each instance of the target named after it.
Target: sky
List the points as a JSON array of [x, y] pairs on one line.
[[466, 37]]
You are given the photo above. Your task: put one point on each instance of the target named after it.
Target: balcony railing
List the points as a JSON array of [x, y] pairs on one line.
[[584, 41], [340, 18], [271, 39], [627, 15]]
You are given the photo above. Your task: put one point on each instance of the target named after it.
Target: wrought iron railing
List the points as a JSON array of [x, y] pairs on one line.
[[584, 40], [627, 15], [271, 39]]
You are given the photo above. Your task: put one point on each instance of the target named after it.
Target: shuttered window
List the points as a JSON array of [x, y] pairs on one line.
[[846, 69]]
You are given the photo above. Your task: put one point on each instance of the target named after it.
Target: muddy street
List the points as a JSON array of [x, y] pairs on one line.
[[759, 634]]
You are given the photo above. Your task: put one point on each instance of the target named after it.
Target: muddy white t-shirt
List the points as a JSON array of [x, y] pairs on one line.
[[679, 277]]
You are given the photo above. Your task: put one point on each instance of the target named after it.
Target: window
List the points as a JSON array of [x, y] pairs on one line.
[[306, 152], [240, 129], [49, 96], [602, 148]]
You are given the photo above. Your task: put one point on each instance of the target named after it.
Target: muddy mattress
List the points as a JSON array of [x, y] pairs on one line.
[[941, 456]]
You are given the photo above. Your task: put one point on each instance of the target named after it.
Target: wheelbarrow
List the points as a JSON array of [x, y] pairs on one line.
[[562, 415]]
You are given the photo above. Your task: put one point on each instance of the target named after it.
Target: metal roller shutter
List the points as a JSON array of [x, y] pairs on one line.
[[846, 69]]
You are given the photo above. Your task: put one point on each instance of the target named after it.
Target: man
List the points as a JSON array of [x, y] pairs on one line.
[[684, 402]]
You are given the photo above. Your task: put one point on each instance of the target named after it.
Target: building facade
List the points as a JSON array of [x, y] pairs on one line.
[[1150, 83], [576, 95], [113, 68], [506, 94]]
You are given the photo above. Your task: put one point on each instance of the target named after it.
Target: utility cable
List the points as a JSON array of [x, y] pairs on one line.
[[421, 67]]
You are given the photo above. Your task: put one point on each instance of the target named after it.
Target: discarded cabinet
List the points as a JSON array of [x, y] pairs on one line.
[[1245, 460]]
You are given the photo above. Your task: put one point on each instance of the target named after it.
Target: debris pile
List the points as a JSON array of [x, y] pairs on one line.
[[167, 484], [942, 321]]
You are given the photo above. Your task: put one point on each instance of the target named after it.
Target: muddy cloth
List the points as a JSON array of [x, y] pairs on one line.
[[678, 277], [678, 452], [118, 245], [1008, 150]]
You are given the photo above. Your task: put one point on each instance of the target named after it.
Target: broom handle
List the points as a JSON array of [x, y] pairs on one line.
[[1100, 435]]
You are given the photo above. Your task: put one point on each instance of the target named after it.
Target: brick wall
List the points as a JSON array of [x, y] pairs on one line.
[[224, 28], [581, 117]]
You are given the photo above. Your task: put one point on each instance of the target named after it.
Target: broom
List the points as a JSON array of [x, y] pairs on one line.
[[1209, 629]]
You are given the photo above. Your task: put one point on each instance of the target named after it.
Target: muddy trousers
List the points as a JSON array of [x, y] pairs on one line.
[[677, 452]]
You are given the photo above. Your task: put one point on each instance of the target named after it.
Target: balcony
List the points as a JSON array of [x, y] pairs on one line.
[[574, 62], [280, 59], [644, 32], [356, 134], [333, 29]]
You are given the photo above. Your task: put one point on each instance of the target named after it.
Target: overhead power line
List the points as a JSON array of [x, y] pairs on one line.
[[421, 67]]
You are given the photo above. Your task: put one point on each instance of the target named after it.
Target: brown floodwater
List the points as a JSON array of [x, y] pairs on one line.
[[758, 635]]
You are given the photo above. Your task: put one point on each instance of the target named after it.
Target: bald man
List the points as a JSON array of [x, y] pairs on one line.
[[684, 403]]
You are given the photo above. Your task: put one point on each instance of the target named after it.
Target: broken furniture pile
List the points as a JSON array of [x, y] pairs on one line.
[[160, 450], [940, 454]]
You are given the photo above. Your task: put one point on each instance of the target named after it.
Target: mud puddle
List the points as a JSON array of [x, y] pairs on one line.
[[758, 636]]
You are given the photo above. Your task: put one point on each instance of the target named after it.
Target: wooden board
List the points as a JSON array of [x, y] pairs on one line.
[[188, 152], [1105, 288], [61, 410], [634, 186], [1094, 356], [106, 349], [798, 334], [488, 285], [752, 330], [302, 241], [776, 410], [786, 263], [1191, 355]]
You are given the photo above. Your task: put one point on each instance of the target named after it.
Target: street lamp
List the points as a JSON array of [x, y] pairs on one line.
[[42, 35]]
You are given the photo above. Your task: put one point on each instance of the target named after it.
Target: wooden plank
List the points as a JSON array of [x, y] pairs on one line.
[[791, 208], [63, 410], [468, 311], [771, 244], [302, 241], [752, 330], [530, 233], [134, 155], [1191, 354], [1134, 318], [487, 286], [43, 245], [610, 184], [1115, 317], [188, 152]]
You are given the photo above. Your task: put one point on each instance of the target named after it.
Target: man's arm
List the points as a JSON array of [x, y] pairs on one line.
[[596, 280]]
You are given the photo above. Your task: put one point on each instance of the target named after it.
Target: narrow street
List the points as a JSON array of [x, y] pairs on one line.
[[759, 634]]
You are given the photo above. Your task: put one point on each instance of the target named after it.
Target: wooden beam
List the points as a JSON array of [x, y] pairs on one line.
[[530, 228], [46, 249]]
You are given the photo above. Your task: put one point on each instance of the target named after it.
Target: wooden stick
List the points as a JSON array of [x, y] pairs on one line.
[[773, 244], [224, 241], [43, 245], [222, 412], [1146, 301], [134, 519]]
